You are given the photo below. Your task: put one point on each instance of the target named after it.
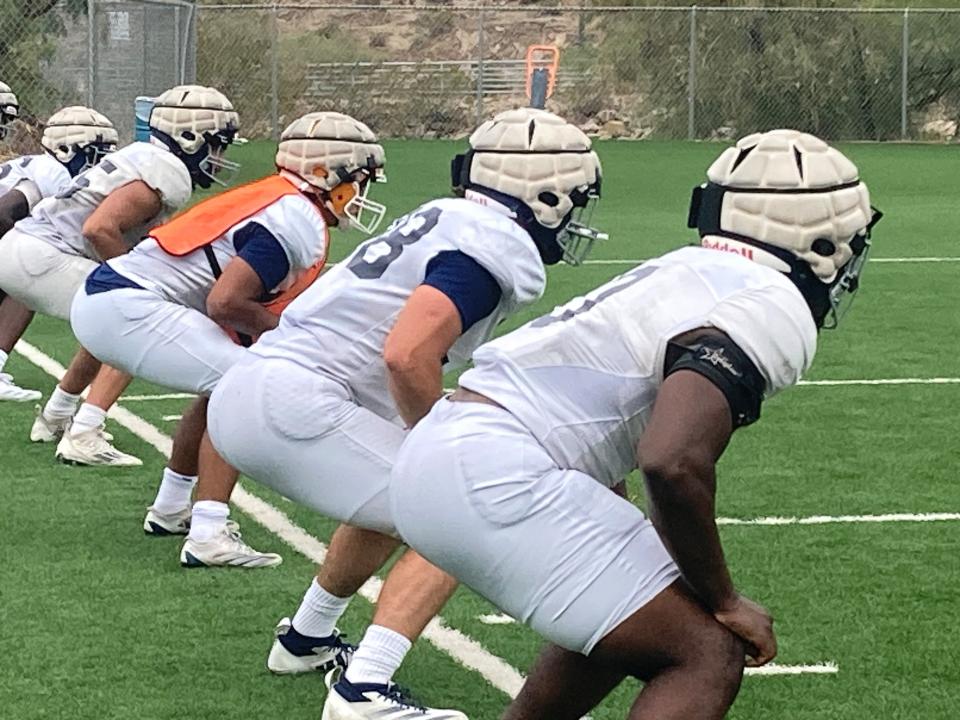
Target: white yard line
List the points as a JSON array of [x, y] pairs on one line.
[[884, 381], [460, 647], [498, 619], [825, 668], [843, 519], [171, 418], [162, 396], [872, 260]]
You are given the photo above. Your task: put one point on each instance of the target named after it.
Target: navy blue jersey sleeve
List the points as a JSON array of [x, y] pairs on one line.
[[466, 282], [263, 252]]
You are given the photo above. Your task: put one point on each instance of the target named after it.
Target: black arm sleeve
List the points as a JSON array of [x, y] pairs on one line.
[[722, 362]]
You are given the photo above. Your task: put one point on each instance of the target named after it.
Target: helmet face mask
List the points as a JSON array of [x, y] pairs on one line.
[[90, 155], [9, 109], [215, 166], [8, 114], [578, 235], [844, 289], [360, 211]]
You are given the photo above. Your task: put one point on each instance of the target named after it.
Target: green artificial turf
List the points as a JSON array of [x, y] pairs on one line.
[[100, 622]]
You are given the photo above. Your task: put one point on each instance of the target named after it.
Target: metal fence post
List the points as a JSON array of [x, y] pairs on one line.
[[274, 74], [91, 53], [904, 73], [480, 51], [692, 77], [176, 44]]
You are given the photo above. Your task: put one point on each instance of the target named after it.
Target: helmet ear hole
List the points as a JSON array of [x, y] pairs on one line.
[[823, 247], [188, 135], [548, 198]]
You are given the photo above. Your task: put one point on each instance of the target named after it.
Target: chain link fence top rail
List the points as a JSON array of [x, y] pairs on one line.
[[437, 70]]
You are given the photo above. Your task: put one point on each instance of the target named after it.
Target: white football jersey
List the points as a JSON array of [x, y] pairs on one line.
[[36, 176], [293, 220], [339, 325], [583, 379], [59, 220]]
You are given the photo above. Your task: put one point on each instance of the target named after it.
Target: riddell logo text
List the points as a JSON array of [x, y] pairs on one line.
[[725, 246]]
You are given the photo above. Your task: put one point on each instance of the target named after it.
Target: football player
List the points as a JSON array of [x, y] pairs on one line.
[[514, 483], [106, 210], [319, 408], [73, 139], [163, 311], [9, 109]]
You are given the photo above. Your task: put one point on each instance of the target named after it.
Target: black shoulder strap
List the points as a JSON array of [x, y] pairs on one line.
[[217, 271]]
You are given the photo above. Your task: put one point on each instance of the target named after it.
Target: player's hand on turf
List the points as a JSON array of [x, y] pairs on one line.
[[751, 622]]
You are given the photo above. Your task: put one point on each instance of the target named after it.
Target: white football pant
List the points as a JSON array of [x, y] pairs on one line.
[[154, 339], [301, 433], [477, 495], [39, 275]]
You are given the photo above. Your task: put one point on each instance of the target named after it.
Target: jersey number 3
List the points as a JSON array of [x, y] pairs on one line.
[[373, 258]]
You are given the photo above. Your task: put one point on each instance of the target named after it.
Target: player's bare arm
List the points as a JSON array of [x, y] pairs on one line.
[[426, 328], [234, 301], [688, 431], [134, 204], [689, 428], [13, 207]]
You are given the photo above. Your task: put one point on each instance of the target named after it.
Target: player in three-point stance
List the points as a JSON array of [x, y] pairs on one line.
[[317, 410], [104, 212], [513, 484], [73, 139], [163, 311]]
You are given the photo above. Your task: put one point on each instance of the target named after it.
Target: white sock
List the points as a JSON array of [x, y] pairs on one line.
[[379, 656], [88, 417], [209, 518], [3, 359], [61, 404], [174, 493], [318, 612]]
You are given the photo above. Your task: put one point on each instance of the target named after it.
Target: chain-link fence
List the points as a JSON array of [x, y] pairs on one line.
[[101, 53], [436, 70]]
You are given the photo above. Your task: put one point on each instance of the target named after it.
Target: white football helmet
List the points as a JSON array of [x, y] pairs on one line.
[[9, 108], [543, 169], [78, 137], [337, 157], [789, 200], [196, 124]]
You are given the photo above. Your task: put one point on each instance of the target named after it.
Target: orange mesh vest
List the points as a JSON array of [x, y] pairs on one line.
[[207, 221], [210, 219]]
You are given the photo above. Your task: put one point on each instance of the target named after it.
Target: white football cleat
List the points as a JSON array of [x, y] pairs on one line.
[[293, 653], [12, 392], [162, 524], [91, 447], [349, 701], [225, 549], [48, 430]]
